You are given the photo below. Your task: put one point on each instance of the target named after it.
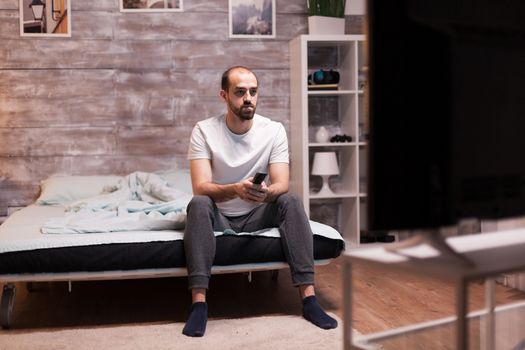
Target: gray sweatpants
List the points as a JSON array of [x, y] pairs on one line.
[[286, 213]]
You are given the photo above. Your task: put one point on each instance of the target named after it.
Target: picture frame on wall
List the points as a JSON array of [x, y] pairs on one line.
[[252, 18], [150, 5], [48, 18]]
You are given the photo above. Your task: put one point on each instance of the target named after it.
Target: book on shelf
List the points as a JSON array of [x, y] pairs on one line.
[[323, 86]]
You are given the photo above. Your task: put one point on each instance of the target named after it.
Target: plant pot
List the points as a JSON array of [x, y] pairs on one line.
[[326, 25]]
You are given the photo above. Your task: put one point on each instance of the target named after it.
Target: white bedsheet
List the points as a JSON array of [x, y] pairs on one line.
[[21, 232]]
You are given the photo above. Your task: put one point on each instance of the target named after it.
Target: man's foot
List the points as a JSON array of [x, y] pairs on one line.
[[313, 312], [196, 324]]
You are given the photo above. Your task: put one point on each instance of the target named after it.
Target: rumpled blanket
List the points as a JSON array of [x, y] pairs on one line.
[[140, 201]]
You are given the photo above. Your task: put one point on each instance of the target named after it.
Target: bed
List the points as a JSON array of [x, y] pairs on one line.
[[34, 248]]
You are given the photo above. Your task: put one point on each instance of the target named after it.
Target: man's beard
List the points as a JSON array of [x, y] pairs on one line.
[[243, 112]]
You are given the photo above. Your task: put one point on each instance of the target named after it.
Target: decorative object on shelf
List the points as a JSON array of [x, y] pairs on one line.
[[324, 77], [341, 138], [376, 236], [322, 135], [326, 16], [324, 80], [361, 78], [325, 165]]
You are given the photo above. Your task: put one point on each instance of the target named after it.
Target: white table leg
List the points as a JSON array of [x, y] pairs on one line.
[[347, 305], [461, 314]]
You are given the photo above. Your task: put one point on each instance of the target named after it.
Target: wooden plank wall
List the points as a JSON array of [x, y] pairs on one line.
[[123, 93]]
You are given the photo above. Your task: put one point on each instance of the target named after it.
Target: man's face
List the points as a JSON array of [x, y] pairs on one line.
[[241, 96]]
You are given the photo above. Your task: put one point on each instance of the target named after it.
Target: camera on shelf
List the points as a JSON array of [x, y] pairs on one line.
[[324, 79]]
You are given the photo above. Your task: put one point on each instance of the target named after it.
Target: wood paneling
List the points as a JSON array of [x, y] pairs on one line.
[[24, 142], [8, 4], [110, 5], [56, 83], [85, 111], [123, 93]]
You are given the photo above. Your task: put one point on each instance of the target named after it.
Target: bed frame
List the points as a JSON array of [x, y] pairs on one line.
[[9, 290], [179, 179]]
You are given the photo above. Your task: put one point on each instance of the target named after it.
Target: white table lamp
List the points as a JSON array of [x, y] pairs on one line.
[[325, 164]]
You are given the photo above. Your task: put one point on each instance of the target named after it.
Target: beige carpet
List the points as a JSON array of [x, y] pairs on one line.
[[269, 332]]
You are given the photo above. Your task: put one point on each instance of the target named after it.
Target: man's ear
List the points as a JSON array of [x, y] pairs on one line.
[[223, 95]]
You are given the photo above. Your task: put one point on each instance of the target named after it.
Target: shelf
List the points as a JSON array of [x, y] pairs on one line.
[[323, 40], [336, 195], [331, 92], [341, 111], [335, 144]]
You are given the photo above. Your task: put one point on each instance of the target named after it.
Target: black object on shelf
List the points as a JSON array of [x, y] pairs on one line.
[[324, 77], [376, 236], [385, 239], [363, 239], [341, 138]]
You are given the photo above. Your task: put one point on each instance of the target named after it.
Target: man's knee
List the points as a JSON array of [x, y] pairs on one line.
[[290, 200], [200, 202], [291, 203]]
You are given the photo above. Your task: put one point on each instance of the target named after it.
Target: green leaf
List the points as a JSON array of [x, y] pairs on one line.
[[329, 8]]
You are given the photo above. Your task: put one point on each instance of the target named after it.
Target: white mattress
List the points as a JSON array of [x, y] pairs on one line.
[[21, 232]]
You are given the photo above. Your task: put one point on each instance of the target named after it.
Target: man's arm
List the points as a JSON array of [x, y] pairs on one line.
[[201, 177], [280, 178]]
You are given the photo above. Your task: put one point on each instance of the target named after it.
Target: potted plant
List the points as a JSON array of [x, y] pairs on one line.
[[326, 16]]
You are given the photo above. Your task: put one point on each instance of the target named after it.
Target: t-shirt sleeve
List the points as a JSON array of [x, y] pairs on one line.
[[198, 147], [280, 147]]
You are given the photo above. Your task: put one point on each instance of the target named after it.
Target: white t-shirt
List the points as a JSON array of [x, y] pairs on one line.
[[237, 157]]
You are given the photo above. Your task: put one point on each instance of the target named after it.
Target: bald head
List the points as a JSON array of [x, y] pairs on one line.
[[225, 80]]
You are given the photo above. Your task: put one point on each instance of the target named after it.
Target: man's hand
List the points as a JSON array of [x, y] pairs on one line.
[[251, 192]]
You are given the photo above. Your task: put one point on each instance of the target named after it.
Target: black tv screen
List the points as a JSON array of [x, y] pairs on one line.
[[446, 112]]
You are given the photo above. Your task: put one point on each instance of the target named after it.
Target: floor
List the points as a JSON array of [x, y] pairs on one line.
[[381, 300]]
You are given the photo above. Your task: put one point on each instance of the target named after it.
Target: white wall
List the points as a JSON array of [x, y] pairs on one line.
[[355, 7]]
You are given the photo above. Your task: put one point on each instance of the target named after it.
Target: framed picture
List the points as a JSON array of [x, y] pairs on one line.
[[50, 18], [252, 18], [150, 5]]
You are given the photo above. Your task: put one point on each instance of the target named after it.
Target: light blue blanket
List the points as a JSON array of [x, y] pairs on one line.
[[139, 202]]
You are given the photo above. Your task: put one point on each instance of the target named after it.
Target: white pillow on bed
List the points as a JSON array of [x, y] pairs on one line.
[[62, 190]]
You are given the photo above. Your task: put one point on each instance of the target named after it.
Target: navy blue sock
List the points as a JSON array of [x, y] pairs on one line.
[[196, 324], [313, 312]]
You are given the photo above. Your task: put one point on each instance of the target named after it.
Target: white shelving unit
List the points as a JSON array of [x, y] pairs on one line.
[[341, 111]]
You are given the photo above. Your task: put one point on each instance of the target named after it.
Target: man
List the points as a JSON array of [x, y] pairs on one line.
[[225, 152]]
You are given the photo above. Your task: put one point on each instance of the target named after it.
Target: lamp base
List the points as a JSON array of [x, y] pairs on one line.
[[325, 190]]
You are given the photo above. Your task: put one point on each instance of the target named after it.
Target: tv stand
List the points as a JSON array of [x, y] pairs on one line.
[[490, 254], [434, 240]]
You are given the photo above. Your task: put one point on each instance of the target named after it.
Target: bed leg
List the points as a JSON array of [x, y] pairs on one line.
[[249, 276], [6, 305], [275, 275]]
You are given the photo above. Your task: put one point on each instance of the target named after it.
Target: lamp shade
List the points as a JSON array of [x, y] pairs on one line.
[[37, 7], [325, 163]]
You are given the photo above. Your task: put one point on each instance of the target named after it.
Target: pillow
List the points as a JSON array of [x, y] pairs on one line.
[[178, 178], [62, 190]]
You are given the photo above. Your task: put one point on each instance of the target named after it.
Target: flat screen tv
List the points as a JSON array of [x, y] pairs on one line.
[[446, 112]]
